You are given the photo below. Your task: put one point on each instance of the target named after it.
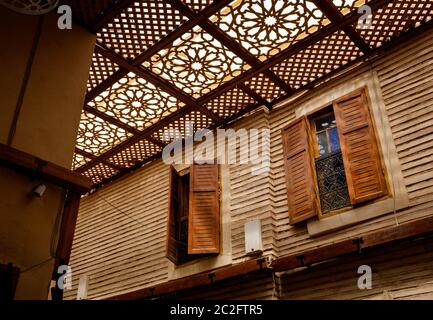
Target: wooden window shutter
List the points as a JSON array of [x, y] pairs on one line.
[[300, 182], [204, 215], [362, 163], [173, 208]]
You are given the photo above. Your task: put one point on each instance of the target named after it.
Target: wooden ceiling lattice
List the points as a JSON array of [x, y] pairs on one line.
[[96, 135], [197, 63], [265, 27], [183, 127], [397, 17], [266, 88], [135, 153], [162, 68], [139, 26], [318, 60], [230, 102], [100, 70], [135, 102]]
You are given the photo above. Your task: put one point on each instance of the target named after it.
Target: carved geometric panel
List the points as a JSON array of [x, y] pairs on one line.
[[79, 161], [139, 26], [397, 17], [196, 63], [318, 60], [230, 102], [347, 6], [87, 11], [265, 27], [183, 127], [135, 153], [96, 135], [100, 70], [264, 87], [136, 102], [100, 172], [198, 5]]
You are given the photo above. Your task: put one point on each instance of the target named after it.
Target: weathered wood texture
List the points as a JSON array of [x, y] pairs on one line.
[[403, 271], [124, 249]]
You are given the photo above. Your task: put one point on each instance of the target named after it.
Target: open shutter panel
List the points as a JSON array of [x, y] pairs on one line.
[[301, 195], [173, 208], [204, 215], [362, 164]]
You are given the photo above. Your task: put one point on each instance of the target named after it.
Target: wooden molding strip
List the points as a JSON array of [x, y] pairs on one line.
[[386, 236], [200, 279], [45, 170]]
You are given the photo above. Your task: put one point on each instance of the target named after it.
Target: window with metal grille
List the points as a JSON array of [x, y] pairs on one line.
[[331, 178]]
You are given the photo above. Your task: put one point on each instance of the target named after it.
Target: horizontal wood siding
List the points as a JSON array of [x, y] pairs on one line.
[[403, 271], [122, 248], [249, 196]]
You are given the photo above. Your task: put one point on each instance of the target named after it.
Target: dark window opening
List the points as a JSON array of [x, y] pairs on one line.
[[331, 178], [182, 215]]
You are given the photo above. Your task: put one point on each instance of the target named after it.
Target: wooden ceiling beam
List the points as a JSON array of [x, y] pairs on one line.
[[255, 95], [93, 157], [158, 46], [332, 12], [290, 51]]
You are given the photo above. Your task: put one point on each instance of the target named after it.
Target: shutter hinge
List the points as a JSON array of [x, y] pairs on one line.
[[358, 242]]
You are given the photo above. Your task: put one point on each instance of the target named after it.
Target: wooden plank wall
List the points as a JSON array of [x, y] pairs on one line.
[[250, 197], [124, 253], [405, 76], [122, 248], [403, 271]]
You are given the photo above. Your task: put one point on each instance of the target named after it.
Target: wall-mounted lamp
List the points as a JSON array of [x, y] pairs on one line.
[[39, 190]]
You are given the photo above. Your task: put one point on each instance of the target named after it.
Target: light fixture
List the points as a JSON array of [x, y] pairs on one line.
[[39, 190]]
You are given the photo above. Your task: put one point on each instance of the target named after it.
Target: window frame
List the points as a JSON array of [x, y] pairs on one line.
[[398, 194], [311, 118], [191, 258]]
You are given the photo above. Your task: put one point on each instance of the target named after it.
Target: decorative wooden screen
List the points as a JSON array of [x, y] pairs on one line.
[[362, 162], [204, 215], [159, 63], [301, 193]]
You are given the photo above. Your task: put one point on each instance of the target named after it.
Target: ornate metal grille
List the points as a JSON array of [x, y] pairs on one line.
[[332, 183]]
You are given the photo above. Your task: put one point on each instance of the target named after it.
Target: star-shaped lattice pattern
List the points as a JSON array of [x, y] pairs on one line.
[[265, 27], [197, 63], [136, 102], [96, 135]]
